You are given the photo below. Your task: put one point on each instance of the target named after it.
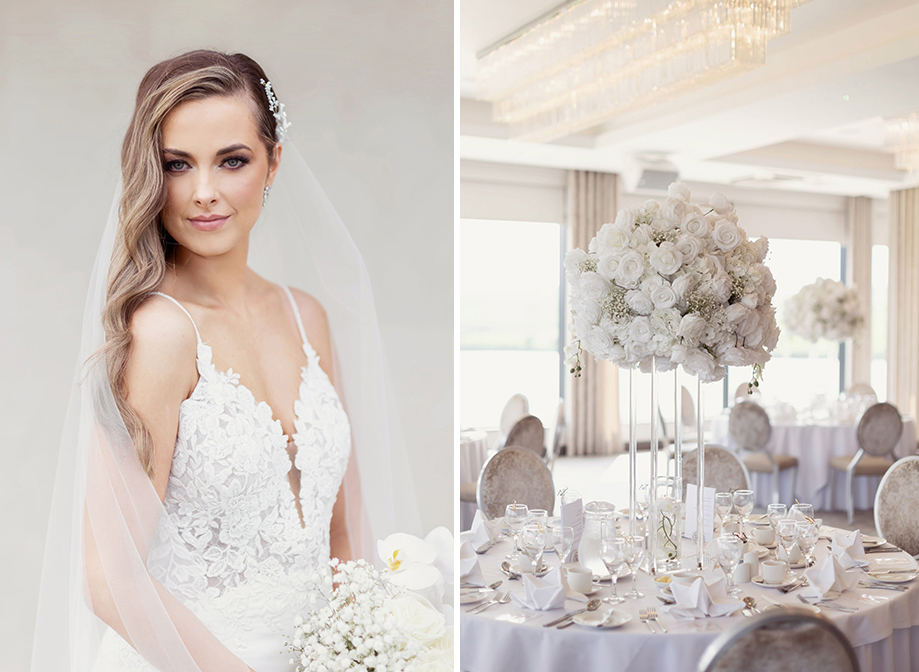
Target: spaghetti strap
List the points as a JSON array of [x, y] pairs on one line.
[[293, 305], [166, 296]]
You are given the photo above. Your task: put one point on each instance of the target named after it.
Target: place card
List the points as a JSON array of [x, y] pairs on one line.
[[708, 512], [573, 517]]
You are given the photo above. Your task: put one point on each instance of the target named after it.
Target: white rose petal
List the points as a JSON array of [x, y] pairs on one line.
[[666, 259], [720, 204], [640, 331], [639, 302], [631, 269], [679, 190], [663, 297], [608, 266], [726, 235]]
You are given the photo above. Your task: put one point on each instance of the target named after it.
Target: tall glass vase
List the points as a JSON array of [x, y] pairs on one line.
[[700, 479], [667, 517]]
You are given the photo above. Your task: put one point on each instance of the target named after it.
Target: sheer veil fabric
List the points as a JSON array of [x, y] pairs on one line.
[[105, 513]]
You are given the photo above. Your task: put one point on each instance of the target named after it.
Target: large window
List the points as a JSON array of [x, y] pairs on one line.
[[510, 328]]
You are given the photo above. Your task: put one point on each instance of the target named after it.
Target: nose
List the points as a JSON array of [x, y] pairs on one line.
[[205, 188]]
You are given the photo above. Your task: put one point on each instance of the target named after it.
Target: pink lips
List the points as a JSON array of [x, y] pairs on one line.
[[209, 222]]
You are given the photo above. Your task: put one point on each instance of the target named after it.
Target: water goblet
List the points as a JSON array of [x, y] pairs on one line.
[[636, 547], [806, 537], [775, 513], [787, 536], [724, 502], [743, 502], [802, 511], [540, 516], [515, 517], [533, 542], [730, 552], [612, 553], [562, 539]]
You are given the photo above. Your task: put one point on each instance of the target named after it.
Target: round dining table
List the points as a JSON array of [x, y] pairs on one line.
[[884, 629], [814, 444]]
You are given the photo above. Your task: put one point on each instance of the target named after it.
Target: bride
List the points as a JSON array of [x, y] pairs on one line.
[[207, 471]]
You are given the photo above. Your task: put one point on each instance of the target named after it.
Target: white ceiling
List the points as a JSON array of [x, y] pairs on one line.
[[810, 120]]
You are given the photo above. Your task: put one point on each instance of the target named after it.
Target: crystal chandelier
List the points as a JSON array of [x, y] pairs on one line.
[[590, 60], [903, 139]]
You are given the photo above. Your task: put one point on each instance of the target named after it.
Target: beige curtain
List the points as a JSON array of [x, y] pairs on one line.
[[903, 334], [594, 397], [859, 217]]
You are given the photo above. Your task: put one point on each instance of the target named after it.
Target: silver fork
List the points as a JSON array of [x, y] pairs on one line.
[[499, 599], [644, 618], [652, 614]]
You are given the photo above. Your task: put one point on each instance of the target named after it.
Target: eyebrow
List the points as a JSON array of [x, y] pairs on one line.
[[226, 150]]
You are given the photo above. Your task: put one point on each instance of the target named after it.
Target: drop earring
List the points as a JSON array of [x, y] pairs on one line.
[[265, 194]]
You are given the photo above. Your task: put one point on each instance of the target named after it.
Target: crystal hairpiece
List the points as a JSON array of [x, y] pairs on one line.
[[277, 109]]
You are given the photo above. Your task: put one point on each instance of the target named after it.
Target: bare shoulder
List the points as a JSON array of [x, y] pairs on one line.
[[163, 342], [316, 325]]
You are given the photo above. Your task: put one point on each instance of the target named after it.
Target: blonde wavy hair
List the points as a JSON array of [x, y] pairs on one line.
[[143, 249]]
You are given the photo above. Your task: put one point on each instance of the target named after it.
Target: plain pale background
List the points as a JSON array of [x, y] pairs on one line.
[[368, 85]]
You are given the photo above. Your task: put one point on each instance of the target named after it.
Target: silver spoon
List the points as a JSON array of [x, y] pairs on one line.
[[506, 568], [593, 605], [751, 605]]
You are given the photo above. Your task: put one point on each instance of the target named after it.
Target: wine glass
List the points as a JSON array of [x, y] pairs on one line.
[[515, 517], [730, 551], [612, 553], [724, 502], [562, 539], [636, 546], [775, 513], [787, 536], [540, 516], [743, 502], [806, 536], [806, 512], [533, 542]]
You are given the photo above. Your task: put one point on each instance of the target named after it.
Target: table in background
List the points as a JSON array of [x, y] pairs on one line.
[[814, 445], [473, 453], [885, 636]]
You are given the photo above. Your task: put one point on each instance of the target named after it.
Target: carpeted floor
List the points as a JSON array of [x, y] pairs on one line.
[[607, 479]]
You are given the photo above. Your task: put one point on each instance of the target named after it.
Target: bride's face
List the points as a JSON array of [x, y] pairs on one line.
[[216, 168]]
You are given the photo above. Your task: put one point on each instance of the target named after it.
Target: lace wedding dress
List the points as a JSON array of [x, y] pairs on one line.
[[232, 546]]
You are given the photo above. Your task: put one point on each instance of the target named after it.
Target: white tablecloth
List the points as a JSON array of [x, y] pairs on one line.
[[885, 636], [814, 445], [473, 453]]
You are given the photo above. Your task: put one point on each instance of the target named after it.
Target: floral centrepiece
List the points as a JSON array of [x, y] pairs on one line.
[[678, 282], [368, 623], [825, 309]]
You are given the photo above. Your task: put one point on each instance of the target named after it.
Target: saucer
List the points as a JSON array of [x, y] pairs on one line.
[[594, 587], [904, 577], [593, 619], [473, 595], [789, 579], [872, 542]]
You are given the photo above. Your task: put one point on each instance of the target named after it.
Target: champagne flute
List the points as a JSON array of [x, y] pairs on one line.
[[724, 502], [636, 547], [806, 536], [562, 539], [533, 542], [730, 551], [743, 502], [515, 517], [787, 536], [612, 553]]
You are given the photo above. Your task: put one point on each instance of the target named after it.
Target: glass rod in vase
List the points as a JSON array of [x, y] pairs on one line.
[[700, 480], [633, 451], [652, 483]]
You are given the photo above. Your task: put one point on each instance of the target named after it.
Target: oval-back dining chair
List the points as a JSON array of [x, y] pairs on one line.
[[724, 471], [529, 433], [781, 640], [514, 474], [896, 505], [751, 430]]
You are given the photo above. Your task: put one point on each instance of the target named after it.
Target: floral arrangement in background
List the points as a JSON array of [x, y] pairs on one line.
[[374, 620], [825, 309], [678, 282]]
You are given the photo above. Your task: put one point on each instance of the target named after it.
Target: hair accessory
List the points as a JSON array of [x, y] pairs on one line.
[[277, 109], [265, 194]]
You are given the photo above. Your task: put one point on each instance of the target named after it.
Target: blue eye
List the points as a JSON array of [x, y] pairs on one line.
[[236, 162], [174, 166]]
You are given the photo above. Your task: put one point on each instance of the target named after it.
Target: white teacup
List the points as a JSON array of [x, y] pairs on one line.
[[764, 535], [796, 555], [685, 576], [579, 578], [774, 571]]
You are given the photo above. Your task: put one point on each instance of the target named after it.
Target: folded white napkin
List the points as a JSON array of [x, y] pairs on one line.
[[827, 578], [470, 572], [848, 549], [700, 600], [484, 532], [542, 593]]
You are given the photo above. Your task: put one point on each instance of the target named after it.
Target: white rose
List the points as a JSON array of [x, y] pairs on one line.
[[683, 284], [689, 246], [748, 325], [593, 285], [639, 302], [573, 260], [631, 268], [434, 660], [771, 337], [610, 238], [641, 235], [640, 331], [675, 209], [699, 363], [679, 190], [608, 265], [625, 218], [588, 310], [730, 355], [652, 207], [692, 327], [663, 224], [678, 353], [663, 296], [726, 235], [721, 287], [768, 281], [696, 225], [720, 204], [666, 259], [417, 617], [598, 342], [736, 313]]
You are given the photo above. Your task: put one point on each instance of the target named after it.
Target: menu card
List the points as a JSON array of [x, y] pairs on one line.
[[708, 512], [573, 517]]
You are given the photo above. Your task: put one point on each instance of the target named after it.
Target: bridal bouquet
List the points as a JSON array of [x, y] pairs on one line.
[[675, 281], [826, 309]]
